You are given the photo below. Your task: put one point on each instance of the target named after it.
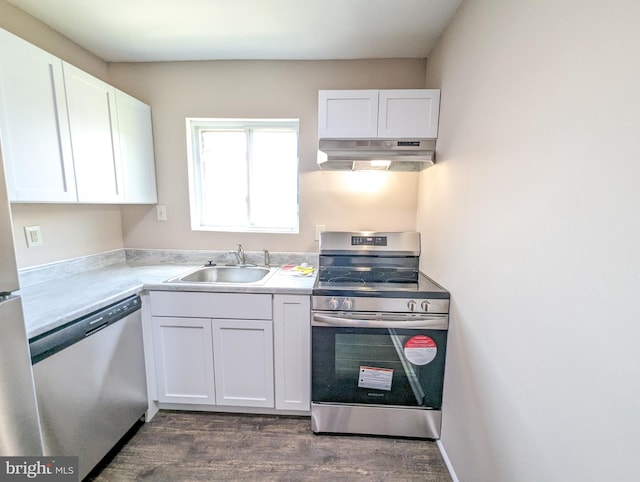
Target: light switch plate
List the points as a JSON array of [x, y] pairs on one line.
[[318, 229], [161, 213], [34, 236]]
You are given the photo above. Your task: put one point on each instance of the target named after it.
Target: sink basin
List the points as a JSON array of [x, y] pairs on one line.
[[223, 274]]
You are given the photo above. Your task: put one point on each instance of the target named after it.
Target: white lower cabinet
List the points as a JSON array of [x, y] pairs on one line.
[[184, 360], [292, 349], [232, 349], [243, 361]]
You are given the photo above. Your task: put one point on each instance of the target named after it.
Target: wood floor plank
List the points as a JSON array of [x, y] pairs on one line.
[[206, 446]]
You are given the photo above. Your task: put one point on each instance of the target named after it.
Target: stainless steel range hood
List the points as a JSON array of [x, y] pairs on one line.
[[376, 155]]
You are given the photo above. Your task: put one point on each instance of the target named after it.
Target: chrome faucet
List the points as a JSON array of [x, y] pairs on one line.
[[266, 258], [240, 255]]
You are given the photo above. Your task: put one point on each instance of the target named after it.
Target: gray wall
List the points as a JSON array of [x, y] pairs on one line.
[[531, 219], [264, 89]]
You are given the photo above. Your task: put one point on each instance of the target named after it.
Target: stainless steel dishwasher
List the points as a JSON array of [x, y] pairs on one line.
[[90, 382]]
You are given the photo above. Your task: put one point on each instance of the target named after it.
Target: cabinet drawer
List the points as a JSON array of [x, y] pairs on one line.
[[211, 305]]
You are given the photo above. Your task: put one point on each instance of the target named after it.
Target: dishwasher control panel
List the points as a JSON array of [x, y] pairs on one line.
[[51, 342]]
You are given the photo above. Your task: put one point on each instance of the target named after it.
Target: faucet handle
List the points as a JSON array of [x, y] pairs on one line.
[[266, 258]]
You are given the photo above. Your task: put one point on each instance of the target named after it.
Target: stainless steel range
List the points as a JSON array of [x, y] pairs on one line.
[[379, 335]]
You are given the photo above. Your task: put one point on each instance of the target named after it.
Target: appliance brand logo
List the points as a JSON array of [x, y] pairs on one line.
[[56, 469], [375, 394]]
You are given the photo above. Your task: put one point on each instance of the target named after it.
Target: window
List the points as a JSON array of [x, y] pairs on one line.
[[243, 174]]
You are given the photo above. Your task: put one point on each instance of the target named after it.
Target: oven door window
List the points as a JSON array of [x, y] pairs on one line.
[[378, 366]]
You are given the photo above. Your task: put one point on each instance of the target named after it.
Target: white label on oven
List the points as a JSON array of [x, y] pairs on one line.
[[420, 349], [377, 378]]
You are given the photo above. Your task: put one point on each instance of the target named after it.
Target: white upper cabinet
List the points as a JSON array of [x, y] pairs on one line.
[[67, 136], [136, 150], [344, 114], [94, 137], [408, 113], [378, 114], [34, 127]]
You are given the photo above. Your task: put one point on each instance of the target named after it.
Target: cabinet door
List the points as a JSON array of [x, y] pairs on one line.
[[136, 150], [347, 114], [292, 351], [408, 113], [243, 360], [94, 137], [184, 360], [34, 125]]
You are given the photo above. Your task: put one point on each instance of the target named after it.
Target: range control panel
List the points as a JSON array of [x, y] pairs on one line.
[[368, 240], [397, 305]]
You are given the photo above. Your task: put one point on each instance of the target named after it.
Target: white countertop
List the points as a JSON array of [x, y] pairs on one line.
[[50, 304]]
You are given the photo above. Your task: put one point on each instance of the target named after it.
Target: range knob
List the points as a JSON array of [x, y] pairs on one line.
[[425, 305], [333, 303], [347, 304], [411, 305]]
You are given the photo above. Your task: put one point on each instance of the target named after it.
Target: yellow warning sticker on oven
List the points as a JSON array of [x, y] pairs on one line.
[[420, 350], [377, 378]]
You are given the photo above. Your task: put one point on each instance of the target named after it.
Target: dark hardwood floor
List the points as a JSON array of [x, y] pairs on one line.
[[198, 446]]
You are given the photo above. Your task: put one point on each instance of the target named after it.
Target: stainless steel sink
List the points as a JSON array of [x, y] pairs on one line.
[[224, 274]]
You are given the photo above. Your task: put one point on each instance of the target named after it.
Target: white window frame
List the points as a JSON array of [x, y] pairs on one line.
[[194, 126]]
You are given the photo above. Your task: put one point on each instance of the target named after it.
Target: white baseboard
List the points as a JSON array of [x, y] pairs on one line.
[[447, 462]]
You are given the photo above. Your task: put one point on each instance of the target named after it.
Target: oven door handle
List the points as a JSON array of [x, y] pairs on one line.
[[432, 322]]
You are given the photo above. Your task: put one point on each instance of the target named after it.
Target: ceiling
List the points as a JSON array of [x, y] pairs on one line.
[[165, 30]]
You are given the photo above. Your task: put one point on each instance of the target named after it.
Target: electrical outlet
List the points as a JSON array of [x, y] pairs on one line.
[[161, 213], [319, 228], [34, 236]]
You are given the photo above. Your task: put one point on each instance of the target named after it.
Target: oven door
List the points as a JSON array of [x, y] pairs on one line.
[[378, 359]]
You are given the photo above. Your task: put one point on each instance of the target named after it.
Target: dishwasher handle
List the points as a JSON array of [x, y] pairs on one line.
[[96, 328]]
